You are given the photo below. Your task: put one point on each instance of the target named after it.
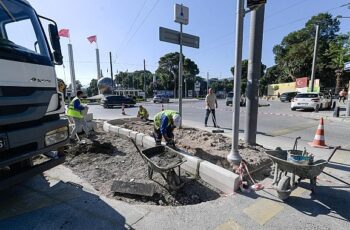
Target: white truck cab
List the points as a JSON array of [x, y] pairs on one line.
[[30, 102]]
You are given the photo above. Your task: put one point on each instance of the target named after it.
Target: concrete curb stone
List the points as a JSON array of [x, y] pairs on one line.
[[218, 177]]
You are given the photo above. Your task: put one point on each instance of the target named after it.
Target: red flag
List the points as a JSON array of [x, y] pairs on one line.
[[92, 39], [64, 33], [301, 82]]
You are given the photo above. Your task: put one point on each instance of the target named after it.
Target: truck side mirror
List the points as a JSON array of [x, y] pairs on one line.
[[55, 43]]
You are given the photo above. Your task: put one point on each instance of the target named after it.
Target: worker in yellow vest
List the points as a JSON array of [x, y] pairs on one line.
[[164, 124], [142, 113], [75, 111]]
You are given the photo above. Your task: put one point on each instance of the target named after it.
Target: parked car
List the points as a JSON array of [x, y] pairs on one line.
[[229, 99], [160, 99], [288, 96], [114, 100], [315, 101]]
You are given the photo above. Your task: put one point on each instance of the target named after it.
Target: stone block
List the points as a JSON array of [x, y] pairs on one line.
[[218, 177]]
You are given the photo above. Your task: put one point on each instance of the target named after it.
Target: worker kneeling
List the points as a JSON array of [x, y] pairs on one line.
[[164, 124], [142, 113]]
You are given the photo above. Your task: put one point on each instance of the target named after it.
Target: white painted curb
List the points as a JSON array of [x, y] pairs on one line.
[[218, 177]]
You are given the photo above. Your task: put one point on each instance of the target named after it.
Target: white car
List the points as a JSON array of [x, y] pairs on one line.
[[315, 101]]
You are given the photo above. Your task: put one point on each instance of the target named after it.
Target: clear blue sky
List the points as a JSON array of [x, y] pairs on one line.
[[129, 29]]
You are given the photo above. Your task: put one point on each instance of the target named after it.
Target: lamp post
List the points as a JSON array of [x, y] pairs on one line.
[[348, 103]]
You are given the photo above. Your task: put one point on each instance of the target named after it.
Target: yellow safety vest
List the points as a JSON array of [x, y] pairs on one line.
[[143, 113], [71, 112], [158, 116]]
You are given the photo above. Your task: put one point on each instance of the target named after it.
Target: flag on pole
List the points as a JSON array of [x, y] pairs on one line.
[[64, 33], [92, 39]]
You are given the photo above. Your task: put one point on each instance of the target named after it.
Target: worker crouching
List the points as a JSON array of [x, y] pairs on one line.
[[164, 124], [143, 113]]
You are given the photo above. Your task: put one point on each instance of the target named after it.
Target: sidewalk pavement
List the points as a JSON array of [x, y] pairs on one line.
[[85, 207]]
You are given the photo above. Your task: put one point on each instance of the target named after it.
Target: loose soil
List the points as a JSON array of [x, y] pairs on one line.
[[106, 158], [211, 147]]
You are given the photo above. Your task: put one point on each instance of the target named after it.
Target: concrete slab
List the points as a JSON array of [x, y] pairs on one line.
[[229, 225], [135, 188], [263, 210]]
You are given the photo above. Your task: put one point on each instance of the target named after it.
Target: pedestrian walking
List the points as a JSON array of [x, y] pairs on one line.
[[210, 105], [75, 111]]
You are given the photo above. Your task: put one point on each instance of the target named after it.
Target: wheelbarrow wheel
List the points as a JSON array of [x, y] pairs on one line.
[[284, 188], [173, 180]]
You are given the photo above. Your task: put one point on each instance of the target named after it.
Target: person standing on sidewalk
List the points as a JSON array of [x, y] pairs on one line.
[[211, 104], [75, 111], [342, 95]]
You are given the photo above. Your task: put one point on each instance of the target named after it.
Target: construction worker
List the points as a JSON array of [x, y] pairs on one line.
[[75, 111], [164, 124], [142, 113]]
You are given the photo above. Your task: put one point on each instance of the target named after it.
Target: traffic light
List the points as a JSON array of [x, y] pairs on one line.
[[254, 3]]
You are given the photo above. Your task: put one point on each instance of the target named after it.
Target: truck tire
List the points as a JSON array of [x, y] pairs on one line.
[[22, 165]]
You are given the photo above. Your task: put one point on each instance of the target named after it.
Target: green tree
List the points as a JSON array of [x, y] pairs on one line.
[[339, 53], [168, 71], [92, 90], [294, 54]]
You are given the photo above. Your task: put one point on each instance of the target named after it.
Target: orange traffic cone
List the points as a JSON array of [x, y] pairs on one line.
[[319, 140], [162, 107], [123, 111]]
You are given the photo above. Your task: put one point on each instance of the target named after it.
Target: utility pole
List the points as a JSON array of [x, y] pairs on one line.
[[111, 67], [180, 73], [144, 77], [98, 63], [234, 156], [254, 70], [207, 82], [315, 58], [72, 70]]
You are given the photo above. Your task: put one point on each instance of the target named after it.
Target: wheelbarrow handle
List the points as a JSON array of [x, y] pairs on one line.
[[138, 149], [335, 149]]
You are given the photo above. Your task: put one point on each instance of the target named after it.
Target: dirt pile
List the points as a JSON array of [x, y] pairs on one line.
[[208, 146], [107, 158]]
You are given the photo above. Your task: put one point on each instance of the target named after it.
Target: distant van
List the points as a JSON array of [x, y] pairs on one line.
[[229, 99]]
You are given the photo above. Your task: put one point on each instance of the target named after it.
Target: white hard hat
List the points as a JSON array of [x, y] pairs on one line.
[[177, 120]]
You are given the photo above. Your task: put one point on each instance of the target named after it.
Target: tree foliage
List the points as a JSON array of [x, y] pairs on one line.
[[168, 72], [294, 55], [92, 90]]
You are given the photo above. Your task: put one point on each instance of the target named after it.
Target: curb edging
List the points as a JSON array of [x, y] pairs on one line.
[[218, 177]]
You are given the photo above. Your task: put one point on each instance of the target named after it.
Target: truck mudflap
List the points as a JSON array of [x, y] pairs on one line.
[[30, 172]]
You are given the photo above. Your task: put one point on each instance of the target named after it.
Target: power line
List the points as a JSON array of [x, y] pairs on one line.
[[132, 25], [285, 9], [143, 21]]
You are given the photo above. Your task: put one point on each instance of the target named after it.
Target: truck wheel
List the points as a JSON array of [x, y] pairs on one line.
[[293, 109], [227, 104], [22, 165]]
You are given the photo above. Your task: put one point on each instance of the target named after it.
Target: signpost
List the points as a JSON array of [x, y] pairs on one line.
[[197, 87], [181, 15]]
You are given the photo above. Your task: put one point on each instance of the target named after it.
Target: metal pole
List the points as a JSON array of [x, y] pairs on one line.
[[314, 59], [254, 71], [234, 156], [180, 73], [111, 67], [144, 77], [98, 63], [72, 70], [207, 82], [348, 103]]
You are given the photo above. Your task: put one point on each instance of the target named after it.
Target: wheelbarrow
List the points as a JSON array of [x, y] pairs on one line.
[[163, 160], [286, 170]]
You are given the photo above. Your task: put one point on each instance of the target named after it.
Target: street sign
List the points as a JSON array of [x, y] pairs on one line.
[[197, 86], [181, 14], [254, 3], [173, 36], [347, 66]]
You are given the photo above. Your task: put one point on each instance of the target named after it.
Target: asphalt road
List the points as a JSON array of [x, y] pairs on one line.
[[276, 120]]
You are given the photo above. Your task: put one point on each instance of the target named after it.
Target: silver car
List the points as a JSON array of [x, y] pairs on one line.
[[229, 99]]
